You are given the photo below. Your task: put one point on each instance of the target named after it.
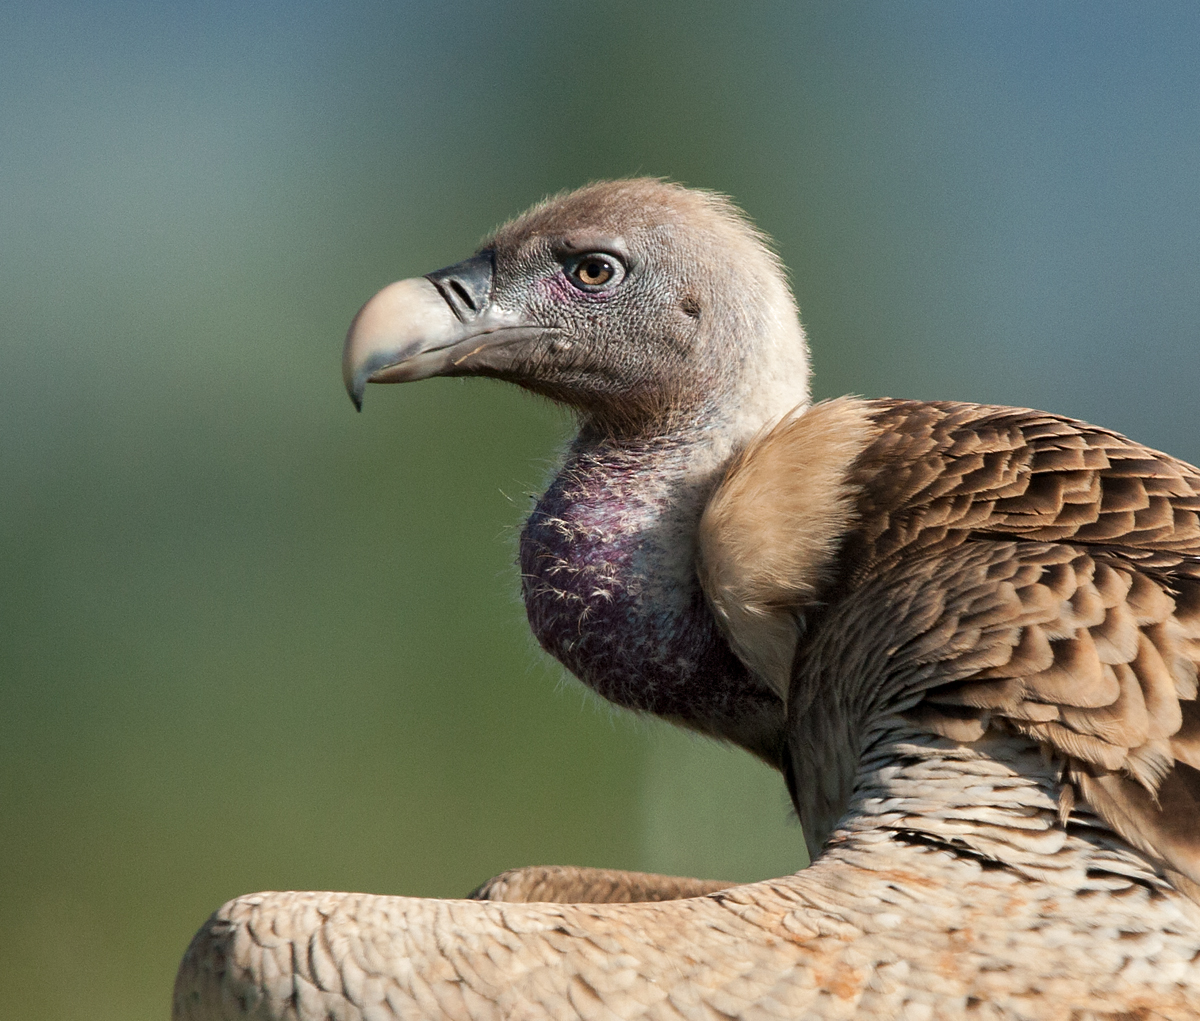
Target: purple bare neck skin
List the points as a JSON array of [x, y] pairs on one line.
[[607, 566]]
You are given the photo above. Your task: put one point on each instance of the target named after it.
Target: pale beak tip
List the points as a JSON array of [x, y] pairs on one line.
[[399, 324]]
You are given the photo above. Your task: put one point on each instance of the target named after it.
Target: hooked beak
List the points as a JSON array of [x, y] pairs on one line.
[[442, 324]]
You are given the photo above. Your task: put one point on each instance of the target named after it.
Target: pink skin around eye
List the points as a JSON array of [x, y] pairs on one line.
[[559, 289]]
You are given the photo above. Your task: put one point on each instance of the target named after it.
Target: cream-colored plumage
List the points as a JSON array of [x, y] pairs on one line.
[[968, 636]]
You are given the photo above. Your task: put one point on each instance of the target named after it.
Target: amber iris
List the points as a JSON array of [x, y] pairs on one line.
[[594, 270]]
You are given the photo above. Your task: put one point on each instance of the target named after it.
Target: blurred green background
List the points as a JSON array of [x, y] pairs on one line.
[[250, 640]]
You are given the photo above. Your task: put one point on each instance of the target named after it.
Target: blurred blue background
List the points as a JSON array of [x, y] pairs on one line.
[[250, 640]]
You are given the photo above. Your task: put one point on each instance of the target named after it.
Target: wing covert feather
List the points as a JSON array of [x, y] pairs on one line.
[[945, 470], [1083, 633], [1108, 635]]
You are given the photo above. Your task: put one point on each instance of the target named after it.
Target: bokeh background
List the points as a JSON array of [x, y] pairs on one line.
[[250, 640]]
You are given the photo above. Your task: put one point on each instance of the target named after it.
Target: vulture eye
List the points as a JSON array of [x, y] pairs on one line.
[[595, 271]]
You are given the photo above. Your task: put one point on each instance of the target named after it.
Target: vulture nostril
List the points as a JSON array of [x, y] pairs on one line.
[[466, 286], [463, 295]]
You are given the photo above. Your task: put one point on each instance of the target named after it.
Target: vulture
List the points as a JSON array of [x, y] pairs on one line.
[[967, 636]]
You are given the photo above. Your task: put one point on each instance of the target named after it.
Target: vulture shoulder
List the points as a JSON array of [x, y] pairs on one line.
[[1043, 581]]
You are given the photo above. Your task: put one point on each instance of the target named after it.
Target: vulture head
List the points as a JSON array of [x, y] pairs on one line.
[[646, 307], [661, 317]]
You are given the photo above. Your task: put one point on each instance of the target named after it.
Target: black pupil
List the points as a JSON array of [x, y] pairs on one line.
[[594, 271]]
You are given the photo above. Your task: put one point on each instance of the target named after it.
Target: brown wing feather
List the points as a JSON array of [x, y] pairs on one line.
[[1064, 558], [944, 471], [1094, 640]]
